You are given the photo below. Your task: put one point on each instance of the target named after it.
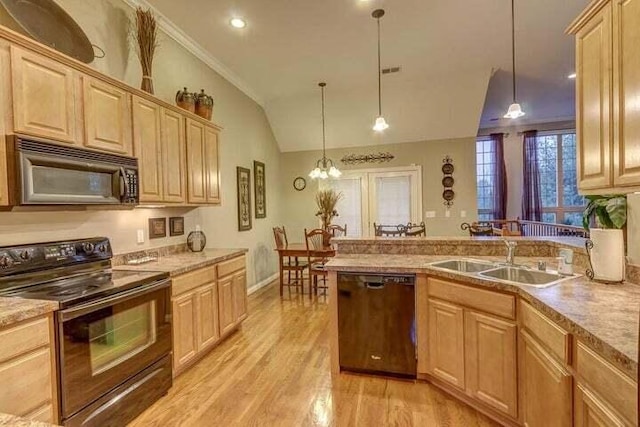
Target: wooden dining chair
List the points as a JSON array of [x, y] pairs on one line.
[[289, 264], [389, 230], [416, 230], [315, 241], [337, 231]]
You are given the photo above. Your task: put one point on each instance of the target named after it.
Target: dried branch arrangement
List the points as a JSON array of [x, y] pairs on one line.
[[146, 36]]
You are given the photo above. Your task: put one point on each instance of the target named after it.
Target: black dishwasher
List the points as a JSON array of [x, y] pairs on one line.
[[376, 323]]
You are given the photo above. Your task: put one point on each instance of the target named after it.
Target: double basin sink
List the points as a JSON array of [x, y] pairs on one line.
[[520, 275]]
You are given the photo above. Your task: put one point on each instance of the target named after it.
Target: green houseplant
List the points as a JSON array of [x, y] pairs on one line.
[[606, 244]]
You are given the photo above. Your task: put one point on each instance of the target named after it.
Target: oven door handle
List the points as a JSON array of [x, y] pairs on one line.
[[81, 310]]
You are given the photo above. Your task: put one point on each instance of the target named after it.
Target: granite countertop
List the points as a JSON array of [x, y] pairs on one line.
[[15, 421], [603, 316], [14, 310], [180, 263]]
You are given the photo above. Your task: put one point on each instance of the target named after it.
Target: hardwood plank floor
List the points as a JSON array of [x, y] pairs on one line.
[[275, 372]]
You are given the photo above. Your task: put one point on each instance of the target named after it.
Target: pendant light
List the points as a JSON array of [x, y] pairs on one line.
[[324, 167], [515, 110], [381, 123]]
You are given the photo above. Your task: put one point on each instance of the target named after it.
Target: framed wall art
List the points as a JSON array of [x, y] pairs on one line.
[[244, 198], [157, 228], [176, 226], [260, 190]]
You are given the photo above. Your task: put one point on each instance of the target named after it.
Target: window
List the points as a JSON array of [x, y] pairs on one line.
[[485, 165], [561, 202]]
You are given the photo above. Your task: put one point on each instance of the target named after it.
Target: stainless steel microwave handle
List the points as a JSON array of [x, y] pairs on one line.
[[72, 313]]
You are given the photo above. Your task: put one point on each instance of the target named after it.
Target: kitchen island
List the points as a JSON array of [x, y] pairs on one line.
[[490, 343]]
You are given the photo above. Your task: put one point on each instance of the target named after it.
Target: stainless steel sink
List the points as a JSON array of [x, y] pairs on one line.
[[464, 265], [524, 276]]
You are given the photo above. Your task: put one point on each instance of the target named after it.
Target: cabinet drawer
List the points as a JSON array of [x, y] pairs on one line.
[[607, 381], [193, 279], [228, 267], [24, 338], [26, 383], [556, 339], [480, 299]]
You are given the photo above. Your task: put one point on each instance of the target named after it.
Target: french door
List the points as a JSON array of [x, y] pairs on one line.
[[387, 196]]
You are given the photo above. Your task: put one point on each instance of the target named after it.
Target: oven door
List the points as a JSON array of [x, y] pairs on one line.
[[104, 343]]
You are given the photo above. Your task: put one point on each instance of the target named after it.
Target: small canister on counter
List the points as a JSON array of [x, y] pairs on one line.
[[196, 241], [565, 262]]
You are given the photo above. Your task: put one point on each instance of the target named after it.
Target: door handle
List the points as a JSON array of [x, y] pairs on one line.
[[375, 286]]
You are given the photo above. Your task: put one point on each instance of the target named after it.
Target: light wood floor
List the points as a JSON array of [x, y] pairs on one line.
[[275, 372]]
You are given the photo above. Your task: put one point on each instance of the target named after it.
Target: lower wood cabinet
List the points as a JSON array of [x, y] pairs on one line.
[[27, 370], [445, 355], [491, 361], [591, 411], [206, 307], [547, 387]]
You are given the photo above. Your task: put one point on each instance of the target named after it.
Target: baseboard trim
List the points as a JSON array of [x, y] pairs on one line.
[[262, 284]]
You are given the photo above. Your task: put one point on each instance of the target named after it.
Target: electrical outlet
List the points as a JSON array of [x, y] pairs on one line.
[[140, 234], [430, 214], [447, 213], [463, 214]]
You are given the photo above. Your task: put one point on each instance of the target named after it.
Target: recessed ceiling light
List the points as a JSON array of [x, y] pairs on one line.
[[571, 76], [238, 23]]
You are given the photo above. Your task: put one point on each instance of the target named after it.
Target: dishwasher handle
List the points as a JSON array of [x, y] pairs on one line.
[[375, 286]]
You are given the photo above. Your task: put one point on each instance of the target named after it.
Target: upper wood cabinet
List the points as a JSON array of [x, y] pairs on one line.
[[203, 182], [147, 148], [107, 117], [174, 152], [607, 85], [43, 97]]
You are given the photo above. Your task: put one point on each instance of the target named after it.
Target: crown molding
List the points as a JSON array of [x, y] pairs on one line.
[[177, 34]]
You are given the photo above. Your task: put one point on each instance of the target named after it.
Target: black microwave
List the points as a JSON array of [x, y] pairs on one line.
[[51, 174]]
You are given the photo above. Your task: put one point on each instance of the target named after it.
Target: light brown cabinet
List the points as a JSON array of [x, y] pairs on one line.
[[27, 370], [591, 411], [147, 148], [184, 331], [206, 307], [490, 361], [43, 97], [174, 159], [547, 387], [469, 347], [445, 355], [607, 84], [107, 117], [203, 182]]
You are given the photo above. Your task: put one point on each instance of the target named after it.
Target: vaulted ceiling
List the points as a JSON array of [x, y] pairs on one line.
[[455, 60]]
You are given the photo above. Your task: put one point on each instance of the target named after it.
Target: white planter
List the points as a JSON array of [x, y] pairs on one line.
[[607, 255]]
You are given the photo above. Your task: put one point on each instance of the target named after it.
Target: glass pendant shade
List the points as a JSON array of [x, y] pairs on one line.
[[381, 124], [514, 111]]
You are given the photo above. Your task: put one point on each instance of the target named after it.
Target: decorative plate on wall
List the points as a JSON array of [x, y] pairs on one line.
[[448, 195], [447, 181], [447, 168]]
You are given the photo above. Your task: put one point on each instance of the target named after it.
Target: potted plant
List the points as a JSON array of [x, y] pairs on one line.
[[327, 200], [606, 243]]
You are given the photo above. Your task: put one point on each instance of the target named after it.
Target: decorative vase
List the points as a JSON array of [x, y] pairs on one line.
[[204, 104], [606, 255], [186, 100], [196, 240], [147, 84]]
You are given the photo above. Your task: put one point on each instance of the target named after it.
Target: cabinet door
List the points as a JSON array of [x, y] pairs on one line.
[[208, 329], [26, 382], [446, 343], [173, 157], [146, 145], [590, 411], [196, 165], [626, 84], [240, 296], [213, 172], [184, 330], [226, 305], [593, 102], [490, 361], [107, 117], [43, 97], [547, 389]]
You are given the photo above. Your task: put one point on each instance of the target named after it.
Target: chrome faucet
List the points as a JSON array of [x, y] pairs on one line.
[[511, 251]]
